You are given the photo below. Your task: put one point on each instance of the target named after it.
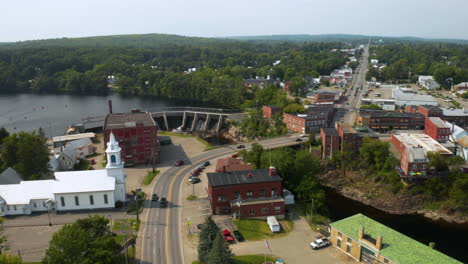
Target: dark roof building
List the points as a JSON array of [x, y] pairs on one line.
[[241, 177], [125, 120], [10, 176], [232, 164]]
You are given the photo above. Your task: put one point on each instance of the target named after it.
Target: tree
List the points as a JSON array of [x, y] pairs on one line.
[[294, 108], [86, 241], [8, 259], [297, 85], [3, 134], [371, 106], [27, 153], [437, 162], [220, 252], [207, 236], [3, 239]]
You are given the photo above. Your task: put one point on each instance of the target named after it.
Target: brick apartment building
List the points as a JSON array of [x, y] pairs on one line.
[[426, 110], [457, 116], [252, 193], [369, 241], [136, 133], [330, 141], [437, 129], [413, 148], [324, 97], [315, 118], [232, 164], [344, 136], [381, 120], [270, 110]]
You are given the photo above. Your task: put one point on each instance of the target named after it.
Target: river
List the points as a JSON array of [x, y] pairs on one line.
[[54, 113], [447, 236]]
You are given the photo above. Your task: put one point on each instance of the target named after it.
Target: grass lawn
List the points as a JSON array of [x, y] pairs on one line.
[[250, 259], [208, 146], [149, 178], [124, 228], [256, 229], [192, 197]]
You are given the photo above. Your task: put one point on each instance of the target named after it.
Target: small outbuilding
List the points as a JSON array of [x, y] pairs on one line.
[[273, 223]]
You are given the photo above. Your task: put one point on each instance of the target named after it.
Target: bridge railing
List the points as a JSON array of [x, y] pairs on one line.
[[198, 109]]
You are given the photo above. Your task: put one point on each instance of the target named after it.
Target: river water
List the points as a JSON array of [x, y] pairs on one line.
[[449, 238], [54, 113]]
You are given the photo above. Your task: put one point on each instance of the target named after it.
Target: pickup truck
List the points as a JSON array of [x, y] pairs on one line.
[[320, 243]]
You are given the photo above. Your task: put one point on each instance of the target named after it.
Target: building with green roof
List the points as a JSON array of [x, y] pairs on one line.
[[369, 241]]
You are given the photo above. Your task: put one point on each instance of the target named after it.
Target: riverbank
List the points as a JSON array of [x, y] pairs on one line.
[[377, 194]]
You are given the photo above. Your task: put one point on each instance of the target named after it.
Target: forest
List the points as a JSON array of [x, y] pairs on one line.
[[448, 63], [157, 65]]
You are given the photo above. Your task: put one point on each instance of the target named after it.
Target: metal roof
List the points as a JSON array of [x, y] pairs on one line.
[[10, 176], [124, 120], [73, 137], [240, 177], [439, 122], [421, 140]]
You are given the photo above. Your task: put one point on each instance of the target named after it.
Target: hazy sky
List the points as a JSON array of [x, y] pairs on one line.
[[39, 19]]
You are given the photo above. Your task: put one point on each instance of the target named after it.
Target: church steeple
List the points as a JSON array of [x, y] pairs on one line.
[[113, 153]]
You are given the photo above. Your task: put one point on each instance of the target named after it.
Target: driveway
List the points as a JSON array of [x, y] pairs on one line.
[[295, 247]]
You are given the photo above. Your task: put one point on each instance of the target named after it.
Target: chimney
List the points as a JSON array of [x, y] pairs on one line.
[[378, 243], [110, 106], [361, 233]]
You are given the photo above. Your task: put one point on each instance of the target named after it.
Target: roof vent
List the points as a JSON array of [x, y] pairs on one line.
[[249, 175]]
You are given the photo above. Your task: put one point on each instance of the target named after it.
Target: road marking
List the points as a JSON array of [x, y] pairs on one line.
[[188, 168]]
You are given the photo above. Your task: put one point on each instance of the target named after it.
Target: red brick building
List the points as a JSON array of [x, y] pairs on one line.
[[136, 133], [437, 129], [252, 193], [413, 161], [330, 141], [324, 96], [270, 110], [315, 118], [426, 110], [382, 120], [232, 164]]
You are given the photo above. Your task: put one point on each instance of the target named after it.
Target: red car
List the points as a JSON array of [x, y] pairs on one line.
[[227, 236], [235, 155], [195, 172], [179, 163]]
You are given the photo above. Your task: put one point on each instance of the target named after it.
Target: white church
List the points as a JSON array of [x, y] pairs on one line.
[[70, 190]]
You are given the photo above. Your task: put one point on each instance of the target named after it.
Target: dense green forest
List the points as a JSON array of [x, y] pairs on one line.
[[156, 65], [443, 61]]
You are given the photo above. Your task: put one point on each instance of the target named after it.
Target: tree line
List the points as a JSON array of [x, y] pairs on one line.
[[160, 69]]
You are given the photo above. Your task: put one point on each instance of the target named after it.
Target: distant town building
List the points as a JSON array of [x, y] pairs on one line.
[[250, 193], [428, 82], [369, 241], [325, 96], [9, 176], [60, 141], [232, 164], [460, 88], [70, 190], [330, 142], [351, 138], [270, 110], [457, 116], [381, 120], [374, 61], [426, 110], [260, 82], [386, 104], [136, 133], [405, 97], [315, 117]]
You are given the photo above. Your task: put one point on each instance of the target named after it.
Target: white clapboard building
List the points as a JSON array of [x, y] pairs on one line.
[[69, 190]]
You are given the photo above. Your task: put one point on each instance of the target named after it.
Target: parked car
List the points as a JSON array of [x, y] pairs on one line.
[[201, 167], [240, 146], [92, 162], [234, 155], [154, 197], [206, 164], [195, 173], [304, 135], [298, 139], [179, 163], [194, 180], [320, 243], [227, 236], [163, 202], [238, 236]]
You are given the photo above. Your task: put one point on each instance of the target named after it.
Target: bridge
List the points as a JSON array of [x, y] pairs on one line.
[[185, 118]]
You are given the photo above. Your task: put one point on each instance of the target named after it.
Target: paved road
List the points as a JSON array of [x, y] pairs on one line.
[[358, 86], [161, 241]]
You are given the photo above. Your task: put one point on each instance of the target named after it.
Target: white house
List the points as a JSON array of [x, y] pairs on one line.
[[69, 190], [428, 82], [66, 158], [374, 61]]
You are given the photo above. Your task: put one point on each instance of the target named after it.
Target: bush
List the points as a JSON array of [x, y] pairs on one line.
[[118, 204]]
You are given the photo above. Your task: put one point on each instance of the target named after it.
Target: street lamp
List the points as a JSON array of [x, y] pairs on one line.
[[239, 203], [48, 203]]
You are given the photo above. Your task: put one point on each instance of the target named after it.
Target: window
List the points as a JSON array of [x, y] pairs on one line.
[[105, 199], [348, 248], [339, 234], [77, 201], [236, 195], [14, 207], [385, 260], [348, 240], [249, 194], [252, 211], [264, 211], [423, 167], [261, 193], [44, 204], [273, 192], [91, 200], [220, 197], [415, 167], [338, 243], [277, 209], [35, 205], [62, 201], [113, 159], [8, 208]]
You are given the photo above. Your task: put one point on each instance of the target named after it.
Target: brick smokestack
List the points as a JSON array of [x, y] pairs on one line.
[[110, 106]]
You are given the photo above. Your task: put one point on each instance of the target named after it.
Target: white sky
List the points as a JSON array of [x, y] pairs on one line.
[[39, 19]]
